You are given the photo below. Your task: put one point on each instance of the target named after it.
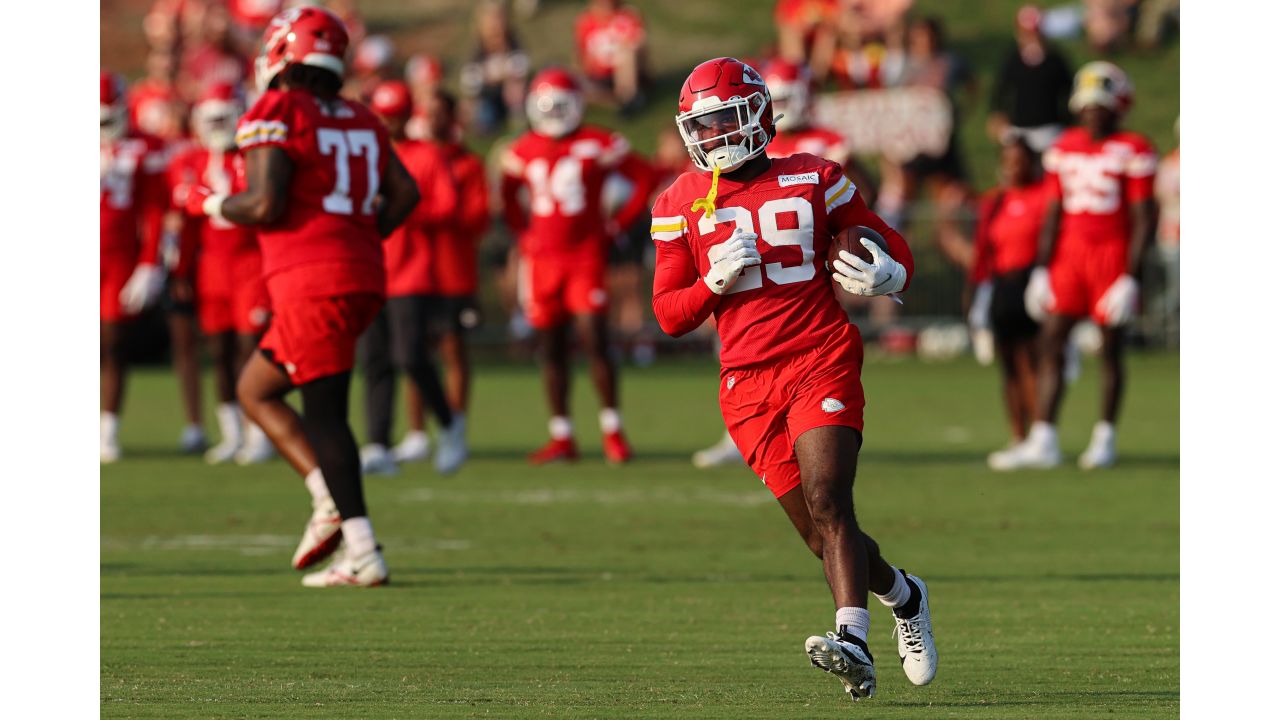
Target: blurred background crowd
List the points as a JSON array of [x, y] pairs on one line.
[[919, 97]]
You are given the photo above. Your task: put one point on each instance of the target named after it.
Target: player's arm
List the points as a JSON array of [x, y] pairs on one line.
[[682, 300], [888, 272], [268, 171], [1139, 189], [640, 175], [147, 280], [474, 216], [399, 193], [512, 212]]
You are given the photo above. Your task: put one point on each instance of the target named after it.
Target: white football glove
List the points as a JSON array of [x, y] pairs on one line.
[[142, 288], [731, 258], [1119, 304], [881, 276], [1039, 294], [980, 307]]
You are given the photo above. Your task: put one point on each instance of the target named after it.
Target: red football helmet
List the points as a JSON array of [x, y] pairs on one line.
[[726, 116], [114, 109], [303, 36], [423, 70], [214, 117], [554, 104], [790, 86], [1101, 83], [391, 98]]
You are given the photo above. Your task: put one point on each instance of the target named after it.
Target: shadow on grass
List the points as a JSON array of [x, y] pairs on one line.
[[1096, 699]]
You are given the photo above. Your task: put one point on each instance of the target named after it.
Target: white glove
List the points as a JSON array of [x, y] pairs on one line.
[[1039, 294], [142, 288], [881, 276], [980, 307], [1119, 304], [730, 259]]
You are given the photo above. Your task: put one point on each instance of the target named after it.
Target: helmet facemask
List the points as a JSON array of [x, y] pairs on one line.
[[214, 124], [554, 113], [114, 122], [724, 134]]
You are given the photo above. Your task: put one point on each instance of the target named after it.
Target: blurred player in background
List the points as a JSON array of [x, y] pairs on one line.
[[1005, 243], [612, 51], [745, 240], [563, 233], [133, 200], [324, 186], [231, 297], [1099, 220], [452, 217], [398, 338]]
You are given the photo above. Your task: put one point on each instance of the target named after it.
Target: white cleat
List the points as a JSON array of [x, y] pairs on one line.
[[321, 537], [223, 452], [257, 447], [193, 440], [848, 660], [916, 650], [376, 459], [451, 450], [1030, 453], [1101, 452], [414, 447], [368, 570], [722, 453], [108, 450]]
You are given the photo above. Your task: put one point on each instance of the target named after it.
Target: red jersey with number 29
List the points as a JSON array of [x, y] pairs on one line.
[[1097, 182], [785, 305], [327, 242]]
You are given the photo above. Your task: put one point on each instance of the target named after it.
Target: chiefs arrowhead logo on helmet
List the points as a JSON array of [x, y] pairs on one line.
[[726, 114]]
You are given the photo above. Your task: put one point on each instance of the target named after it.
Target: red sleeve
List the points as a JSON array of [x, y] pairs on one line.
[[846, 208], [267, 123], [474, 214], [512, 180], [681, 300], [637, 171], [1140, 171], [981, 270], [153, 202]]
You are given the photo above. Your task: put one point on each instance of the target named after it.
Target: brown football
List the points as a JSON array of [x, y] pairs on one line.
[[848, 239]]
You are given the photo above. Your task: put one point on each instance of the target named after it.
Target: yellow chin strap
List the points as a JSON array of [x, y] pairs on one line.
[[708, 203]]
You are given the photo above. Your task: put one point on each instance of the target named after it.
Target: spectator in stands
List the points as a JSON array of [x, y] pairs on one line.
[[807, 33], [213, 57], [1168, 236], [867, 55], [1029, 98], [424, 74], [1154, 17], [1107, 22], [493, 82], [612, 53]]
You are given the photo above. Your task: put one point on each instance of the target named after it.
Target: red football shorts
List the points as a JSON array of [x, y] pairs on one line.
[[1080, 275], [552, 287], [114, 273], [314, 337], [767, 407], [231, 295]]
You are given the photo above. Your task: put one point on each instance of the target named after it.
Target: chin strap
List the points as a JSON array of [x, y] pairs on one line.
[[708, 203]]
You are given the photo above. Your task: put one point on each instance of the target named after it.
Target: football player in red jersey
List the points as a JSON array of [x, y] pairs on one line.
[[456, 215], [1100, 218], [563, 235], [323, 187], [398, 337], [231, 297], [133, 201], [745, 239]]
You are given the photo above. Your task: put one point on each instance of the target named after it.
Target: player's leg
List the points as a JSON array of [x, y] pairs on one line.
[[457, 369], [1040, 448], [251, 316], [185, 341], [261, 389], [324, 421], [410, 351], [1101, 451], [374, 350], [416, 444], [593, 333], [553, 343], [111, 361], [225, 353]]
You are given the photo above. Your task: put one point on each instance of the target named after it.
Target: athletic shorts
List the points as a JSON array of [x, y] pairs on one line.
[[767, 407], [1080, 276], [1009, 318], [453, 314], [238, 303], [314, 337], [554, 287], [114, 274]]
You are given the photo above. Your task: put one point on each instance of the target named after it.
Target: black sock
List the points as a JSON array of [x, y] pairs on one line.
[[912, 607]]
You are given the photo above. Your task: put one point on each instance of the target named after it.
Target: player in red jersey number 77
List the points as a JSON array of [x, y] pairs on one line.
[[745, 240], [324, 187]]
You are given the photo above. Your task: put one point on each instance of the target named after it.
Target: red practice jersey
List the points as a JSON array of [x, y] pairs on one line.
[[435, 251], [216, 239], [134, 198], [599, 36], [785, 305], [327, 241], [1007, 236], [564, 178], [824, 143], [1097, 181]]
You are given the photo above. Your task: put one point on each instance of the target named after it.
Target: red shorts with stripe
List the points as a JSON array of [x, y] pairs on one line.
[[114, 274], [555, 286], [1080, 276], [767, 407], [314, 337], [231, 295]]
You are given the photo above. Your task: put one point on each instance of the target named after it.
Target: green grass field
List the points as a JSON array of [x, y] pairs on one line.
[[652, 590]]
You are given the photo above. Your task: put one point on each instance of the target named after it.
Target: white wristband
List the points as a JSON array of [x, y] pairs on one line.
[[212, 206]]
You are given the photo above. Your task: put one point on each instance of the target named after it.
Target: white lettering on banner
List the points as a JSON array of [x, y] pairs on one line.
[[809, 178], [899, 123]]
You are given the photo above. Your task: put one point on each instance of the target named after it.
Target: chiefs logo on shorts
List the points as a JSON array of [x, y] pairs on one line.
[[832, 405]]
